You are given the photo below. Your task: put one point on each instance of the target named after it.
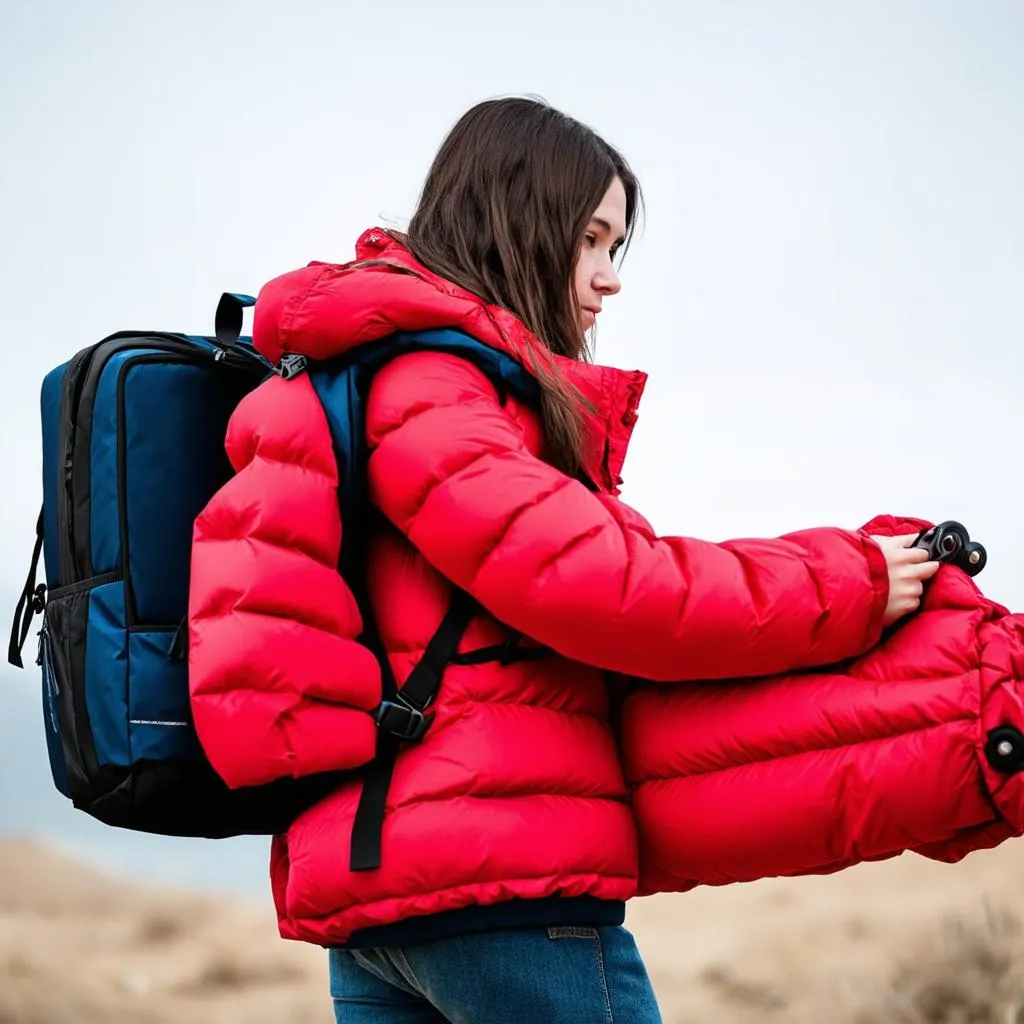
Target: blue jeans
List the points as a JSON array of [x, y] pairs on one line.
[[518, 976]]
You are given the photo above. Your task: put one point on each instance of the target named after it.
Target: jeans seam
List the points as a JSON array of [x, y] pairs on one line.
[[599, 958], [405, 968]]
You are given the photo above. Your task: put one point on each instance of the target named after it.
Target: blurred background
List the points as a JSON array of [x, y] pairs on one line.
[[827, 294]]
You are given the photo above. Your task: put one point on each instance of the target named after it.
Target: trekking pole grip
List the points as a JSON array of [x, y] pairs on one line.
[[228, 320]]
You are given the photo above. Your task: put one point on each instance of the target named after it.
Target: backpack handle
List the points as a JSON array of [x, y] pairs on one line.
[[228, 320]]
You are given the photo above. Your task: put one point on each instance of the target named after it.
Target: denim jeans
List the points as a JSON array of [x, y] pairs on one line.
[[518, 976]]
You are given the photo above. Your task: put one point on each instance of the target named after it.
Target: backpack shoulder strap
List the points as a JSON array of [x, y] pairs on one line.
[[403, 716], [404, 713]]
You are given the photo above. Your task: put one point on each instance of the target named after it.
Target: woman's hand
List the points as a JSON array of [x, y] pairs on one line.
[[909, 567]]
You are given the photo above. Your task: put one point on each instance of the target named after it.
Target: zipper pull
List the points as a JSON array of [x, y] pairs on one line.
[[37, 606], [41, 658], [179, 642]]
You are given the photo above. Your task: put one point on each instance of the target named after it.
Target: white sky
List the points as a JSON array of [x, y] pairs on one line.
[[827, 294]]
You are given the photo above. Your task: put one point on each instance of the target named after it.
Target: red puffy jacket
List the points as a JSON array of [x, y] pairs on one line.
[[897, 750], [516, 791]]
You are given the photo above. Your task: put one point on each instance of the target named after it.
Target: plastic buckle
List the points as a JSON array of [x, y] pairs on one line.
[[291, 366], [508, 651], [402, 720], [38, 602]]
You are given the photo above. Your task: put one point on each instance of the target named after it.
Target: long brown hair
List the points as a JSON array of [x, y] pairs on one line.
[[503, 213]]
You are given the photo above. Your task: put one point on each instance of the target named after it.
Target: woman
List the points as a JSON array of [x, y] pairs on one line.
[[509, 847]]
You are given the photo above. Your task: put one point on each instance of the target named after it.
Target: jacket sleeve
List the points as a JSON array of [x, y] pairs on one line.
[[279, 684], [582, 573]]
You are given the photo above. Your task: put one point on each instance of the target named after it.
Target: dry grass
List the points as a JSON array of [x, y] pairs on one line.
[[159, 928], [973, 974], [77, 947], [904, 942]]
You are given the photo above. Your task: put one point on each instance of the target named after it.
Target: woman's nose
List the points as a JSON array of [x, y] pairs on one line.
[[606, 280]]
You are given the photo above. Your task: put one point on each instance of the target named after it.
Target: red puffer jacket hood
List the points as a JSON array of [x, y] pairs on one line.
[[363, 302], [898, 750], [516, 792]]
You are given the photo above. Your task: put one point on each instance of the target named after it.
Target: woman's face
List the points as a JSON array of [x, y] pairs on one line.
[[595, 276]]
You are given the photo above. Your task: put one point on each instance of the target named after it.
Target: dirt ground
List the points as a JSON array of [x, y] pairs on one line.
[[903, 942]]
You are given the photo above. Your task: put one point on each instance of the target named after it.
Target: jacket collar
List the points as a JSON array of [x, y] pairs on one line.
[[361, 310]]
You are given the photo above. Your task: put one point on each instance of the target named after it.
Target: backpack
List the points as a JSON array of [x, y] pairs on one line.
[[133, 432]]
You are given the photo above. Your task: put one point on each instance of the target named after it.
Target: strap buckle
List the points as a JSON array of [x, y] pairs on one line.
[[290, 366], [508, 649], [402, 719]]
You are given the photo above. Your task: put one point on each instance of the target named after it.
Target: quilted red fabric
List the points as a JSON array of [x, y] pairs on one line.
[[517, 790], [814, 772]]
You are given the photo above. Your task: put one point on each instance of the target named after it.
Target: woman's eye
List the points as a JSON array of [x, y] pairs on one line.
[[591, 240]]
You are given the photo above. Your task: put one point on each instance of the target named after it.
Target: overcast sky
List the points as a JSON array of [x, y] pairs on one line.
[[827, 294]]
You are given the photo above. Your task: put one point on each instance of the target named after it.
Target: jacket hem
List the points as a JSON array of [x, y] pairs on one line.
[[554, 911]]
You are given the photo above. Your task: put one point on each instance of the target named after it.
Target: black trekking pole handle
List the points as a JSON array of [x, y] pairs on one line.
[[228, 318]]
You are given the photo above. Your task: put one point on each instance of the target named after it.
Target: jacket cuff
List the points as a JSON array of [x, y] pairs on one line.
[[878, 573]]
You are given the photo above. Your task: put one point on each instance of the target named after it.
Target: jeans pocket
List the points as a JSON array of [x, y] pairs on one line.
[[572, 932]]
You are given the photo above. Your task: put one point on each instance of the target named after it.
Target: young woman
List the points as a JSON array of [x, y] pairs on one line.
[[509, 847]]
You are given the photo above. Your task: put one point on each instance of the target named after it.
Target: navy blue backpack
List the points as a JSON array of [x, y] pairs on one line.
[[133, 432]]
